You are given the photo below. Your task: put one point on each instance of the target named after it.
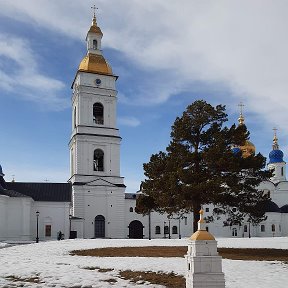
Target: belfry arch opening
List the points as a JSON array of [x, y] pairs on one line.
[[98, 113], [95, 44], [98, 161], [75, 118]]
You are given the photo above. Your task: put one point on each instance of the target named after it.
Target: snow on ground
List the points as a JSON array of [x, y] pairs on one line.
[[2, 245], [51, 262]]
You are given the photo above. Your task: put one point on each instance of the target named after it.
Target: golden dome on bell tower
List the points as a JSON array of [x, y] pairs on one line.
[[94, 61], [248, 148]]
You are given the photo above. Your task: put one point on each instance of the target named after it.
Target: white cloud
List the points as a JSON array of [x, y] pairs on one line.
[[240, 45], [128, 121], [25, 79]]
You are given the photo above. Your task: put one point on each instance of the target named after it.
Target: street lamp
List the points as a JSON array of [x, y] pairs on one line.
[[70, 217], [179, 228], [37, 222], [169, 229]]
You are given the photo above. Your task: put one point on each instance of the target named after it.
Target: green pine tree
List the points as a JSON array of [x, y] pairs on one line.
[[199, 167]]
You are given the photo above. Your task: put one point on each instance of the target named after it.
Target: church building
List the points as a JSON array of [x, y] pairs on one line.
[[93, 203]]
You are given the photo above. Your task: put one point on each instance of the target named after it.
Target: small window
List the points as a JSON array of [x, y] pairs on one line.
[[157, 230], [207, 228], [280, 228], [95, 44], [273, 228], [98, 161], [245, 228], [72, 161], [75, 119], [207, 210], [262, 228], [131, 209], [282, 171], [234, 232], [174, 230], [47, 230], [166, 229], [234, 209], [185, 220], [98, 114]]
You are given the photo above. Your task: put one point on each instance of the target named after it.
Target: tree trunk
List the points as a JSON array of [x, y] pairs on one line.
[[196, 216]]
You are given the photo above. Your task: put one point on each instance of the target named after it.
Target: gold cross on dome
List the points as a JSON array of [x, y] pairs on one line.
[[241, 105], [94, 8], [275, 139]]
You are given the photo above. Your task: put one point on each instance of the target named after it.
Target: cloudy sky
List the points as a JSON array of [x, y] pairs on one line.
[[167, 54]]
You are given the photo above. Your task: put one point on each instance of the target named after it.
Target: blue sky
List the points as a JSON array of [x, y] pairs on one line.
[[167, 54]]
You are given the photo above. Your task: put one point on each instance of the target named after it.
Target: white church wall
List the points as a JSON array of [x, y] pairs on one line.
[[78, 225], [55, 214], [17, 218], [105, 201], [159, 220], [280, 197], [284, 224], [3, 216]]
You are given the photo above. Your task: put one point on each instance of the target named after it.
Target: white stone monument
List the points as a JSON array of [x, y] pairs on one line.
[[204, 265]]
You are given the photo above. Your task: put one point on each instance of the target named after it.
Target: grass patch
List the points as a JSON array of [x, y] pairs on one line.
[[179, 251], [111, 280], [13, 278], [91, 268], [102, 270], [169, 280]]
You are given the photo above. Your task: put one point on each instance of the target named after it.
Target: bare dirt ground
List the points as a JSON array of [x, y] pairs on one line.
[[155, 251], [171, 280]]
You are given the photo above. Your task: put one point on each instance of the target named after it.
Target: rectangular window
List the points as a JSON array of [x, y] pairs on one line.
[[207, 210], [185, 220], [262, 228], [47, 230], [166, 229]]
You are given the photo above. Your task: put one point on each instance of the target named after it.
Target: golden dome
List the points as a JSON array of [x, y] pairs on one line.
[[94, 27], [202, 235], [95, 63], [248, 149]]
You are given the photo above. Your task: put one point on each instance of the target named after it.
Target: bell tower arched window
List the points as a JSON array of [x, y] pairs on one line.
[[74, 120], [95, 44], [98, 162], [98, 113]]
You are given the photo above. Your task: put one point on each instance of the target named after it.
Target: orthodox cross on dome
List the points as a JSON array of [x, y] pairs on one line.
[[241, 118], [201, 221], [94, 13], [275, 145]]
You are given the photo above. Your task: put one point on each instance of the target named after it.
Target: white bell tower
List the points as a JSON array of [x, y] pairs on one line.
[[98, 190]]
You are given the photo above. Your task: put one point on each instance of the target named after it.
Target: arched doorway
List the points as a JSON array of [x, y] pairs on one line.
[[136, 230], [99, 226], [234, 232]]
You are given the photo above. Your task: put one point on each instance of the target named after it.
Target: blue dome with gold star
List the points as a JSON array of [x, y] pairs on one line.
[[276, 156], [236, 151]]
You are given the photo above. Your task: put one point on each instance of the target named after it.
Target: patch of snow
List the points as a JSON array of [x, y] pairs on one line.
[[55, 267]]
